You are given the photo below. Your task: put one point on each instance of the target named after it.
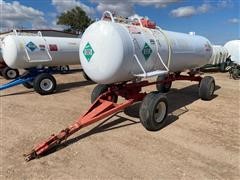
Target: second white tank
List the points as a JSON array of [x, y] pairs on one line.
[[219, 55], [20, 51]]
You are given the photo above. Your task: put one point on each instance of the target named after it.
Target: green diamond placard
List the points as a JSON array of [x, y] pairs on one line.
[[88, 51], [147, 51]]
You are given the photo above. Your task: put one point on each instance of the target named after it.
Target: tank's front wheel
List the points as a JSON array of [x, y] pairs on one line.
[[44, 84], [99, 90], [153, 111]]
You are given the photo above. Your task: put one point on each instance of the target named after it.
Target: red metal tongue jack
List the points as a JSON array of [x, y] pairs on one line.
[[152, 111]]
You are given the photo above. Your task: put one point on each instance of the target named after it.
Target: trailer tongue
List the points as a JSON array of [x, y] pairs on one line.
[[99, 110]]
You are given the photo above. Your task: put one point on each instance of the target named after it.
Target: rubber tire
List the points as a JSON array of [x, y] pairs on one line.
[[5, 73], [205, 88], [37, 81], [222, 67], [86, 76], [100, 89], [64, 71], [147, 111], [163, 87]]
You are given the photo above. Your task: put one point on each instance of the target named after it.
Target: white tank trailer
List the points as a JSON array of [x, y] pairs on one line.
[[118, 53], [115, 50], [233, 48], [32, 51], [219, 58], [220, 54], [112, 52]]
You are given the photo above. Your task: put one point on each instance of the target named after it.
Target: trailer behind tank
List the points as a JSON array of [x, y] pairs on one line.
[[219, 59], [38, 55]]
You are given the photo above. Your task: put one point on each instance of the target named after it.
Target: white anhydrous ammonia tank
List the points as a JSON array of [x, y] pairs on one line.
[[233, 48], [108, 51], [219, 55], [31, 51]]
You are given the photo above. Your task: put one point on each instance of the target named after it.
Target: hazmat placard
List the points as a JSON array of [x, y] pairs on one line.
[[88, 51], [31, 46], [147, 51]]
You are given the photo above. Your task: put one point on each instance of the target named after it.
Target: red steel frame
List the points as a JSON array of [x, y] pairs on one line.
[[102, 108]]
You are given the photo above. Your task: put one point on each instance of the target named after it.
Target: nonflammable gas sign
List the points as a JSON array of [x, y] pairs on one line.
[[88, 51], [147, 51]]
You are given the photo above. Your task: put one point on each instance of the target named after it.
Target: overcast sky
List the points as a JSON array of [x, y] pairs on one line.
[[218, 20]]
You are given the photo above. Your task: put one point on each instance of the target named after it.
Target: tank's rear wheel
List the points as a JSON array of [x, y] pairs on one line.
[[99, 90], [153, 111], [44, 84], [9, 73], [207, 88], [64, 69], [163, 87]]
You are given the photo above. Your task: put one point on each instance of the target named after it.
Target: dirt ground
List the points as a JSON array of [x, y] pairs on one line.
[[201, 140]]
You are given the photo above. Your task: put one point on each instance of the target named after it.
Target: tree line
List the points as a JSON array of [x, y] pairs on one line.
[[76, 20]]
